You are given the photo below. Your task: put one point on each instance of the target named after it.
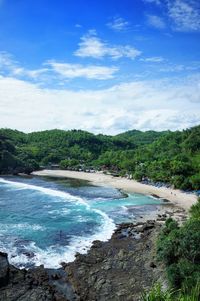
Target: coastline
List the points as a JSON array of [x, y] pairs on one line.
[[116, 269], [175, 196]]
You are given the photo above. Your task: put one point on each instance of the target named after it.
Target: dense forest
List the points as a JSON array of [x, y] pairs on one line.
[[165, 157]]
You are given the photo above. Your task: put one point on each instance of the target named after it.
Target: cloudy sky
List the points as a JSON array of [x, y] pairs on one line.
[[103, 66]]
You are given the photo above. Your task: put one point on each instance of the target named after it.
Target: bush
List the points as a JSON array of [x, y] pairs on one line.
[[178, 248], [195, 210], [193, 295], [195, 181], [167, 242], [157, 294]]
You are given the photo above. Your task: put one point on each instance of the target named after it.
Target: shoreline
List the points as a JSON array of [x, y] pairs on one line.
[[175, 196], [95, 275], [153, 213]]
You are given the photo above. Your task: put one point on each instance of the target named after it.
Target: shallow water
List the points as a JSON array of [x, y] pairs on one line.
[[47, 220]]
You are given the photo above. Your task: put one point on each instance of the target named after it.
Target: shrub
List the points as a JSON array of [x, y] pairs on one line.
[[178, 248], [157, 294], [167, 242], [195, 181], [195, 210]]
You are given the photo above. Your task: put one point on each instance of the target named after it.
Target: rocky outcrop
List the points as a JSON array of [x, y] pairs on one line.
[[37, 284], [119, 269], [116, 270], [4, 269]]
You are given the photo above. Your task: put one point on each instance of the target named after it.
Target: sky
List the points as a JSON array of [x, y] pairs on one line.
[[102, 66]]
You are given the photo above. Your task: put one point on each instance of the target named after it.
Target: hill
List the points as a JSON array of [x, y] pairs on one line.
[[169, 157]]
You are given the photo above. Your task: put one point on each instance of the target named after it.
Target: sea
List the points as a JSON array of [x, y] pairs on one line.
[[46, 221]]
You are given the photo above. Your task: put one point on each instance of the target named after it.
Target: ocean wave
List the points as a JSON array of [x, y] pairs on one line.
[[52, 192], [52, 256], [62, 211], [124, 209], [55, 254], [21, 226]]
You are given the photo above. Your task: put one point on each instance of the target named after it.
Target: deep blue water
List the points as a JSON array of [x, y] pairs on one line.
[[47, 220]]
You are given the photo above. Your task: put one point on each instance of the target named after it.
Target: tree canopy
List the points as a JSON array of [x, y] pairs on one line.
[[169, 157]]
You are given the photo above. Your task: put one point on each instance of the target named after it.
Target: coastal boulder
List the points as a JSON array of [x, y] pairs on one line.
[[4, 269]]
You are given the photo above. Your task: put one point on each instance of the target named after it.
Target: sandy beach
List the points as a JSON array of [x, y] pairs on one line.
[[177, 197]]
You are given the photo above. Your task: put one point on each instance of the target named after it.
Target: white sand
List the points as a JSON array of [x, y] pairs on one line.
[[177, 197]]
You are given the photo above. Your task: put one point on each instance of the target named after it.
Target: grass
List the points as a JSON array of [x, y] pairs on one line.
[[158, 294]]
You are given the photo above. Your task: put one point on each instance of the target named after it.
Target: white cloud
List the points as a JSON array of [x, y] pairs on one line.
[[118, 24], [34, 74], [153, 59], [185, 15], [142, 105], [158, 2], [182, 15], [78, 25], [10, 67], [7, 61], [77, 70], [156, 21], [92, 46], [193, 66]]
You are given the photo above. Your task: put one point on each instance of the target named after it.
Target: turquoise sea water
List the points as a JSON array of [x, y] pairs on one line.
[[47, 220]]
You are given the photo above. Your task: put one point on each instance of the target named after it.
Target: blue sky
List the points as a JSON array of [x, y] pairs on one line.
[[102, 66]]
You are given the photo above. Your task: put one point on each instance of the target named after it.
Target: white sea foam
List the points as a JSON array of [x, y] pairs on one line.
[[56, 193], [62, 211], [47, 206], [21, 226], [54, 255], [124, 209]]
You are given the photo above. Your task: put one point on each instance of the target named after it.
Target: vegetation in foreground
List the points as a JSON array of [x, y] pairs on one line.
[[178, 248], [159, 294], [168, 157]]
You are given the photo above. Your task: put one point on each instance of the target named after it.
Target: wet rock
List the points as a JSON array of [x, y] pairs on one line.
[[121, 255], [155, 196], [4, 269], [29, 254], [96, 244], [55, 276], [35, 284], [152, 265], [165, 201]]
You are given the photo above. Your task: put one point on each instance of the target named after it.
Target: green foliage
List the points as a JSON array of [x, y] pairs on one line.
[[158, 294], [195, 210], [192, 295], [141, 138], [195, 181], [167, 244], [68, 164], [178, 248], [169, 157]]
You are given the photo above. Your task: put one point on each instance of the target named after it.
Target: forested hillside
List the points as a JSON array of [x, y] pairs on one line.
[[169, 157]]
